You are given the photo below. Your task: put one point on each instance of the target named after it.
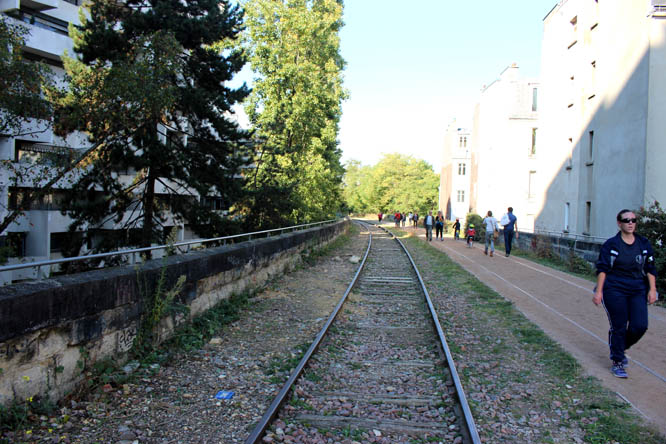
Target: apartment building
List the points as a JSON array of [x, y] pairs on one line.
[[455, 177], [42, 232], [506, 148], [604, 98]]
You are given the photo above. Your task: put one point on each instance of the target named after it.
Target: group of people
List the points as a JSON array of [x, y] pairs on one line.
[[400, 218]]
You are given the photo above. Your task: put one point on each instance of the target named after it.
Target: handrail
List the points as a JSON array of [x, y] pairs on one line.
[[157, 247], [572, 236]]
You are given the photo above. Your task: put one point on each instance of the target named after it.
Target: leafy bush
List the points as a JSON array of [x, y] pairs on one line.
[[652, 225], [543, 247], [473, 218]]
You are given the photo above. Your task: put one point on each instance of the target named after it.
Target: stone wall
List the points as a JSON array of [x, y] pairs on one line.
[[51, 330], [561, 246]]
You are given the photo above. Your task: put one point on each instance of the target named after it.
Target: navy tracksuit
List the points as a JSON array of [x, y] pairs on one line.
[[625, 290]]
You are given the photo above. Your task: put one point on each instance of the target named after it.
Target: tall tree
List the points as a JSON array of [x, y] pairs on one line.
[[295, 106], [150, 88], [355, 190], [396, 183]]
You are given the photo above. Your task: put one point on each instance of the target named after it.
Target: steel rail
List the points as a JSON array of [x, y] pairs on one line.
[[467, 413], [281, 397], [157, 247]]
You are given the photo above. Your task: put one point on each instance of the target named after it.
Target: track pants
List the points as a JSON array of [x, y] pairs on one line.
[[627, 314]]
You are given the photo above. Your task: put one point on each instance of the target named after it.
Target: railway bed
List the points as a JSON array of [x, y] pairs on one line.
[[379, 371]]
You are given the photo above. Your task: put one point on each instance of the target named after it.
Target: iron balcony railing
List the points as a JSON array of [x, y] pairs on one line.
[[133, 252]]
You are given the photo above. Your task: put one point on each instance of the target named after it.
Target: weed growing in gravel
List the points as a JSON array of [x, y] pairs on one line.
[[560, 389], [295, 401]]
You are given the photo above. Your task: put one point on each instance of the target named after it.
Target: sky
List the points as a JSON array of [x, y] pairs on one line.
[[413, 67]]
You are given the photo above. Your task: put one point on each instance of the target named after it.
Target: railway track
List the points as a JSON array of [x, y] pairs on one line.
[[379, 371]]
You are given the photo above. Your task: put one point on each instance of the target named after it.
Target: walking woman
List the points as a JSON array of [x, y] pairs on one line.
[[439, 226], [626, 284]]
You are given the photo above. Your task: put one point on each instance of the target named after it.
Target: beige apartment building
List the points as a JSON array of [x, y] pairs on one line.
[[456, 173], [601, 144], [506, 148]]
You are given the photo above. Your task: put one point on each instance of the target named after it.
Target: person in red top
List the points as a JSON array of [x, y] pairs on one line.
[[471, 232]]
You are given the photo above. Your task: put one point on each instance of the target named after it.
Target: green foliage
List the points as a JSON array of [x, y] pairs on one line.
[[157, 303], [578, 265], [473, 218], [652, 225], [150, 89], [201, 329], [21, 81], [295, 108], [396, 183]]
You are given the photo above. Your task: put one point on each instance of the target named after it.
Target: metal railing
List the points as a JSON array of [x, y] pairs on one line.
[[135, 251], [571, 236]]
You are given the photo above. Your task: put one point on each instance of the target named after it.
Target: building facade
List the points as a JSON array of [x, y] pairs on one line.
[[455, 176], [506, 148], [604, 77]]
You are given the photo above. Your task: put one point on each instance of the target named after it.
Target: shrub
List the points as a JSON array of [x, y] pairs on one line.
[[543, 247], [652, 225]]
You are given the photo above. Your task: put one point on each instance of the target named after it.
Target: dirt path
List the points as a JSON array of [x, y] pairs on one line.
[[561, 305]]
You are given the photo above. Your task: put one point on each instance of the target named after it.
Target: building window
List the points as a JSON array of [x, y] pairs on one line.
[[588, 217], [531, 184], [567, 208], [590, 151], [534, 99], [462, 169], [461, 196], [15, 242], [534, 138]]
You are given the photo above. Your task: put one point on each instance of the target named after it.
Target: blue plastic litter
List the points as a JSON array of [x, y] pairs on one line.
[[224, 394]]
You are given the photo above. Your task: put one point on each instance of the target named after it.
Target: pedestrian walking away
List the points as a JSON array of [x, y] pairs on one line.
[[416, 220], [626, 284], [510, 223], [439, 226], [402, 219], [491, 232], [456, 229], [428, 222]]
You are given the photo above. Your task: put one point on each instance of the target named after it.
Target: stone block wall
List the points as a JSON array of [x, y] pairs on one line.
[[561, 246], [51, 330]]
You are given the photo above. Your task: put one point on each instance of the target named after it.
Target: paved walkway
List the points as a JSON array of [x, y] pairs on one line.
[[562, 306]]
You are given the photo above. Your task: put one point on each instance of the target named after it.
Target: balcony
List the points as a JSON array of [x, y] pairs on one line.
[[37, 5]]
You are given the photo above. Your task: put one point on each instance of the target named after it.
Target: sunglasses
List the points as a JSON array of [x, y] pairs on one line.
[[628, 221]]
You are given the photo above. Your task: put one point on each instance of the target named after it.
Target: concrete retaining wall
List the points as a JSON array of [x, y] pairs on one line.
[[561, 246], [51, 330]]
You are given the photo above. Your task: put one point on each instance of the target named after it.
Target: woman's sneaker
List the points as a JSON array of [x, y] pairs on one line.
[[618, 370]]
